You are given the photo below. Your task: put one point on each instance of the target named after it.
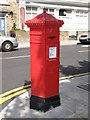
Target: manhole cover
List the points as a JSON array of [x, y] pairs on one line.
[[85, 87]]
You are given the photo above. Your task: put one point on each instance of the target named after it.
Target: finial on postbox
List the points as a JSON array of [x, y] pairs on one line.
[[44, 11]]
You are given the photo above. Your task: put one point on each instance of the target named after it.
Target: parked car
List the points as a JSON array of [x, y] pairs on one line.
[[85, 37], [8, 43]]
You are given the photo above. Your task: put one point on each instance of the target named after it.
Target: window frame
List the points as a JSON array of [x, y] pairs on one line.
[[31, 11]]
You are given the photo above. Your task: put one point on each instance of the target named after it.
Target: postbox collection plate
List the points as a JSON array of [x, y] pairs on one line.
[[52, 52]]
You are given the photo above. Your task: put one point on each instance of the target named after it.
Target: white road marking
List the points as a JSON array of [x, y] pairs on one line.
[[64, 81], [16, 57], [84, 51], [85, 45]]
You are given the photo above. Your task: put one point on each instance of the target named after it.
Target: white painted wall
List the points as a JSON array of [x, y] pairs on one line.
[[72, 21]]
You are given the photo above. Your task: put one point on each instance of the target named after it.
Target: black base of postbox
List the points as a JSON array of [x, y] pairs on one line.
[[44, 104]]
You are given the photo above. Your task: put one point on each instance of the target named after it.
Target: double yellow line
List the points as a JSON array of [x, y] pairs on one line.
[[72, 76], [13, 93], [17, 91]]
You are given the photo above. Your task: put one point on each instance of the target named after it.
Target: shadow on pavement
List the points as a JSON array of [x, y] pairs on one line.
[[85, 43], [72, 70], [0, 50], [16, 49]]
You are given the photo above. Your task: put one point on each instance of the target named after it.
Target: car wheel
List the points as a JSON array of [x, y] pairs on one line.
[[7, 46]]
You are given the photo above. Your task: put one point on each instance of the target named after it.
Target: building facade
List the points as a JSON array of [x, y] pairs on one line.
[[75, 16], [9, 15]]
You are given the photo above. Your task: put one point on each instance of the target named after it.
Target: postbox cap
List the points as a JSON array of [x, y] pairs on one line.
[[44, 18]]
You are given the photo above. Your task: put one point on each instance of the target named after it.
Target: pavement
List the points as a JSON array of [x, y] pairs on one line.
[[74, 102], [24, 44]]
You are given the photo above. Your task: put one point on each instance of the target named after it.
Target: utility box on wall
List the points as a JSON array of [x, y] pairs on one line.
[[45, 55]]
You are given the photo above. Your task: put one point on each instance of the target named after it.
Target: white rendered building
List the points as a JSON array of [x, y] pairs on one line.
[[74, 14]]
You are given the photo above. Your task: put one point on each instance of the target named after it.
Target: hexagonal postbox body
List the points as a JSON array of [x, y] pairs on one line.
[[44, 52]]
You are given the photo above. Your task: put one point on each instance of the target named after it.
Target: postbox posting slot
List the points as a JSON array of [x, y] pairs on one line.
[[52, 37]]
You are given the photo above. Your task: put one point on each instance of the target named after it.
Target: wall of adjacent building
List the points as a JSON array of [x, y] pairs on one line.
[[75, 19], [12, 15]]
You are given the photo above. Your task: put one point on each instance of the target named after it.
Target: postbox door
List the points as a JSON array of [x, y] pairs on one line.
[[52, 69]]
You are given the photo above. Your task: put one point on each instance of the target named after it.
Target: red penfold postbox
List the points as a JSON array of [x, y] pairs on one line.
[[44, 51]]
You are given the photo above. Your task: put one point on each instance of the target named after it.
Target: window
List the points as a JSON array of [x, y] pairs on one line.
[[28, 8], [34, 9], [2, 15], [68, 11], [45, 9], [62, 12], [4, 1], [31, 8], [31, 12], [50, 11]]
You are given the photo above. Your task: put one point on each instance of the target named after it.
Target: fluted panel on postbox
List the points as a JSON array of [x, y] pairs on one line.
[[45, 54]]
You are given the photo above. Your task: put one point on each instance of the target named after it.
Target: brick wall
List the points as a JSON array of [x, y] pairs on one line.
[[11, 18], [22, 36], [64, 35]]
